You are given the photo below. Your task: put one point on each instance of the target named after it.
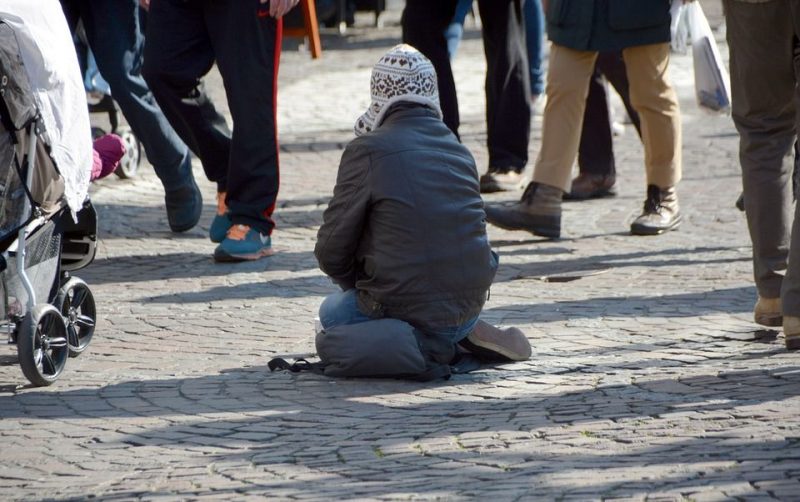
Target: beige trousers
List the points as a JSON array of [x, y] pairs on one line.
[[651, 95]]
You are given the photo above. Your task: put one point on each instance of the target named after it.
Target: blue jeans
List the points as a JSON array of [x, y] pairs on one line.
[[534, 37], [342, 308], [115, 34], [455, 30], [534, 41]]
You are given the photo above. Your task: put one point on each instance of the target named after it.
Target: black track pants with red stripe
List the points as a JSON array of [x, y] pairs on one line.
[[183, 41]]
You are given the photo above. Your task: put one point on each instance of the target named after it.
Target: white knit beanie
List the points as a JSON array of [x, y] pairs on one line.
[[402, 74]]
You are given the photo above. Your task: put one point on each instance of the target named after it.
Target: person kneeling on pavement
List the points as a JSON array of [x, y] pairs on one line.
[[404, 235]]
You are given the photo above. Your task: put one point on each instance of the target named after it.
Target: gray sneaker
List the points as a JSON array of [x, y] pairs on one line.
[[496, 180], [489, 342]]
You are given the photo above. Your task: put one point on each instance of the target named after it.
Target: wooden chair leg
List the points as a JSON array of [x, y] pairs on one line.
[[312, 27]]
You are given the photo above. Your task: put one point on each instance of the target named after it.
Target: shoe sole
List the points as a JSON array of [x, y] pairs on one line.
[[495, 186], [645, 230], [492, 188], [793, 342], [541, 232], [229, 258]]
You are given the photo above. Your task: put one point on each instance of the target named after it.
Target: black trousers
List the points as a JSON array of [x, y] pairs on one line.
[[183, 41], [596, 151], [508, 115]]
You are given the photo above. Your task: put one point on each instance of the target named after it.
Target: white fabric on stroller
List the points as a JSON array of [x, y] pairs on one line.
[[51, 63]]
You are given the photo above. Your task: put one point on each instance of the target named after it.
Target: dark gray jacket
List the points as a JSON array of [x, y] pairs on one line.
[[406, 224], [608, 25]]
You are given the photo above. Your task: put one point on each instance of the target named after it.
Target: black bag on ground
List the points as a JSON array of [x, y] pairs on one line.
[[381, 348]]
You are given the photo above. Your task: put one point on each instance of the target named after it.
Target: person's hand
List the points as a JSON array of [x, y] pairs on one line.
[[145, 4], [277, 8]]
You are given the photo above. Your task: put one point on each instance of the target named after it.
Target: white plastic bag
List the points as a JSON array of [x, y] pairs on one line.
[[711, 80], [679, 28]]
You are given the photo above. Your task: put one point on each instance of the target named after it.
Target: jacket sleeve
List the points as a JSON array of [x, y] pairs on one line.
[[344, 219]]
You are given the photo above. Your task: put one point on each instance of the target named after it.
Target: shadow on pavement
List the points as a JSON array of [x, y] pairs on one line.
[[643, 259], [718, 301], [312, 424], [156, 267], [304, 287]]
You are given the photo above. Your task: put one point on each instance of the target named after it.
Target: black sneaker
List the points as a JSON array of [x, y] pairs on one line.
[[184, 207]]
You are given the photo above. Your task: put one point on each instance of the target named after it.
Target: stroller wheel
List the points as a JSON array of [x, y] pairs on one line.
[[129, 164], [42, 345], [76, 302]]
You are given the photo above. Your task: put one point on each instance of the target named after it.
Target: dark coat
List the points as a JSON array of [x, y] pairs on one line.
[[608, 25], [406, 224]]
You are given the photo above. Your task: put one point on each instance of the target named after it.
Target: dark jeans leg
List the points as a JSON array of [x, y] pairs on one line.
[[534, 41], [596, 151], [424, 24], [247, 47], [177, 54], [116, 38], [508, 97]]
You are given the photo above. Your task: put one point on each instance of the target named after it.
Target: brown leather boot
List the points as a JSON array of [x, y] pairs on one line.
[[489, 342], [591, 186], [661, 212], [767, 311], [538, 211]]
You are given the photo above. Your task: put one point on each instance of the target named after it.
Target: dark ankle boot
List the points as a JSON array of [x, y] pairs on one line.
[[591, 186], [538, 211], [661, 212]]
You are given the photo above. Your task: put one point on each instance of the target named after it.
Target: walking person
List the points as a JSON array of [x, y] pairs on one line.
[[597, 170], [115, 35], [508, 93], [762, 37], [578, 31], [183, 41]]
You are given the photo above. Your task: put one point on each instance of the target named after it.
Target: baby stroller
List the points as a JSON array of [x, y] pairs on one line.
[[49, 314]]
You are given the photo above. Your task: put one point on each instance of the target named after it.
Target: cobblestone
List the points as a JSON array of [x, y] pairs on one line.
[[648, 379]]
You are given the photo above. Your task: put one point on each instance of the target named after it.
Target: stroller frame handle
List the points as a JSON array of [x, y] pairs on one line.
[[23, 232]]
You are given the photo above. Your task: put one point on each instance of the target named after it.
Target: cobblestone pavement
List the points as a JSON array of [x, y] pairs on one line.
[[648, 379]]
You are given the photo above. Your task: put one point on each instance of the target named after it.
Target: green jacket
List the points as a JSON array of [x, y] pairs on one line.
[[607, 25]]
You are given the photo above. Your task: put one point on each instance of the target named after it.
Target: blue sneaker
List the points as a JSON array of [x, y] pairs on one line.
[[222, 220], [243, 243]]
